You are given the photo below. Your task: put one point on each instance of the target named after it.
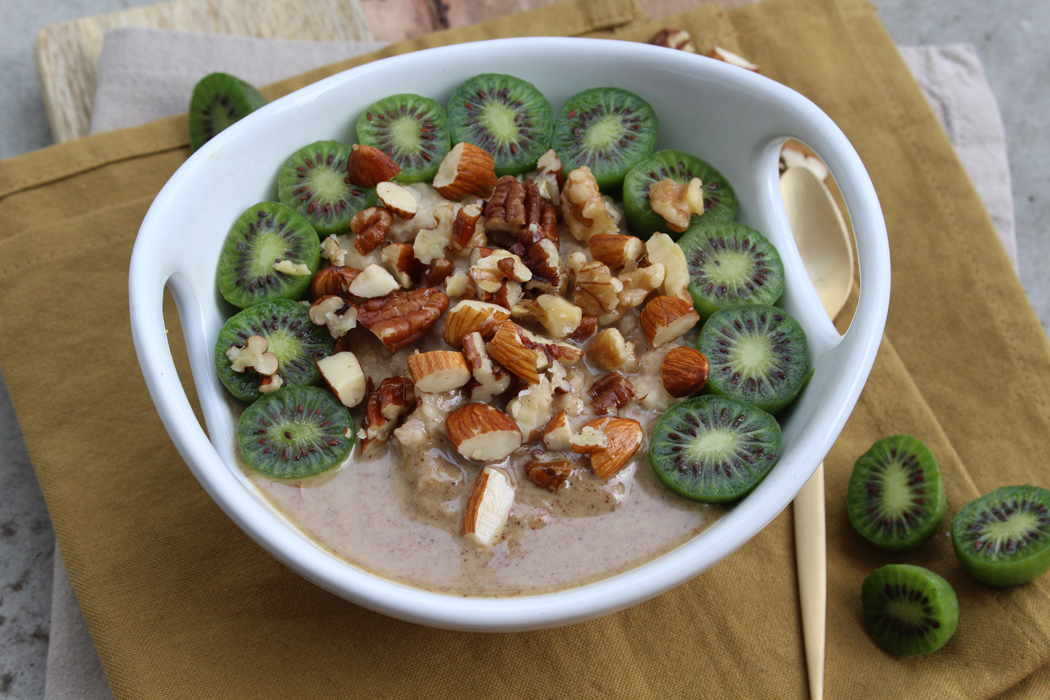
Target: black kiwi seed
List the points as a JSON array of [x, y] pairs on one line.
[[291, 336], [714, 449], [218, 101], [720, 201], [896, 498], [1003, 537], [609, 130], [314, 183], [265, 235], [506, 116], [909, 610], [295, 432], [757, 354], [412, 130], [731, 264]]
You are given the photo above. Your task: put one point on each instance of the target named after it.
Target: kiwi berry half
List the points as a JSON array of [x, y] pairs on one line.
[[1003, 537], [909, 610], [506, 116], [714, 449], [607, 129], [295, 432], [757, 355], [218, 101], [729, 265], [315, 183], [292, 337], [720, 202], [412, 130], [265, 235], [896, 497]]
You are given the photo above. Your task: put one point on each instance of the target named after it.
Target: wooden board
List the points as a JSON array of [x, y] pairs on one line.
[[67, 54]]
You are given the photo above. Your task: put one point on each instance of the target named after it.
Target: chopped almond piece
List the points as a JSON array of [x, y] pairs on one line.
[[732, 58], [507, 348], [374, 281], [667, 318], [624, 437], [368, 166], [488, 506], [438, 371], [614, 249], [466, 169], [482, 433], [344, 376], [589, 440], [557, 435], [398, 199], [468, 316]]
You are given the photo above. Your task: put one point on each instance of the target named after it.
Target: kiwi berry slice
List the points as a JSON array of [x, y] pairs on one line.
[[286, 327], [607, 129], [896, 497], [720, 202], [219, 100], [909, 610], [506, 116], [412, 130], [314, 182], [1003, 538], [295, 432], [729, 265], [714, 449], [757, 355], [263, 236]]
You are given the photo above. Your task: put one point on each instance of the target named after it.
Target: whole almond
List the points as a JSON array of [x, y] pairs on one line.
[[468, 316], [368, 166], [466, 169], [684, 371], [667, 318]]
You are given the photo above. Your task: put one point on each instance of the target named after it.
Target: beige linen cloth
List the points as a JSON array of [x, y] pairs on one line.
[[145, 74], [182, 604]]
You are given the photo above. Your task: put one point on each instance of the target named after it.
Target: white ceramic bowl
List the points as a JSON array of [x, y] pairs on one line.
[[733, 118]]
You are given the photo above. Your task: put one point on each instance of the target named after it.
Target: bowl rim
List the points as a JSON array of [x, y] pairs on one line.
[[148, 266]]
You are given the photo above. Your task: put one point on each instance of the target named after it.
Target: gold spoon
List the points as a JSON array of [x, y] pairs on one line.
[[824, 245]]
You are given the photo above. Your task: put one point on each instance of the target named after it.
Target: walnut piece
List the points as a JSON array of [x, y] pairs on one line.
[[430, 243], [336, 312], [556, 314], [549, 475], [334, 253], [597, 291], [491, 271], [401, 318], [254, 354], [677, 202], [583, 208]]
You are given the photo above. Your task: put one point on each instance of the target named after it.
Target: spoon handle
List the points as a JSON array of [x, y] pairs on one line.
[[811, 555]]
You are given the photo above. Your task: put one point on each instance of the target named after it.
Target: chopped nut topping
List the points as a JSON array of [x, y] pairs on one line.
[[667, 318], [684, 372], [460, 285], [624, 437], [589, 440], [370, 227], [611, 351], [676, 202], [402, 318], [490, 380], [531, 408], [430, 243], [466, 234], [254, 354], [374, 281], [489, 272], [333, 252], [674, 39], [552, 350], [544, 262], [287, 267], [615, 250], [332, 280], [583, 208], [398, 199], [438, 371], [368, 166], [507, 296], [597, 291], [400, 258], [438, 272], [469, 316], [588, 325], [557, 314], [661, 248], [549, 475], [611, 393], [343, 374], [466, 169], [557, 436], [549, 177], [488, 506], [505, 210], [483, 433], [733, 59], [387, 405], [270, 383], [336, 312], [508, 349], [638, 284]]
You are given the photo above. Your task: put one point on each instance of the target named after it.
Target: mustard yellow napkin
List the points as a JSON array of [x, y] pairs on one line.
[[182, 604]]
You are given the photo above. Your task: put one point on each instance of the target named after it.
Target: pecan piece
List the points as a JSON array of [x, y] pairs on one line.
[[611, 393], [401, 318], [370, 227], [597, 291], [332, 280], [401, 259], [387, 405], [549, 475], [438, 272], [505, 210], [464, 228], [588, 325]]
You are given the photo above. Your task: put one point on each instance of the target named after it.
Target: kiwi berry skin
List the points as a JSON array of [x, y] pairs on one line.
[[893, 457], [267, 450], [283, 323], [940, 609], [281, 231], [237, 100], [478, 94], [716, 415], [1029, 560]]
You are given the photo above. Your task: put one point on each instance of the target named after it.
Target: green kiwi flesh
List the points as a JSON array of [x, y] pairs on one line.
[[609, 130], [758, 355], [714, 449], [218, 101], [262, 236], [295, 432], [909, 610], [896, 498], [412, 130], [506, 116], [1003, 537], [720, 202], [731, 265], [314, 183], [292, 337]]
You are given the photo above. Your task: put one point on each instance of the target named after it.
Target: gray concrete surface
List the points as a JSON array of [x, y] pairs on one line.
[[1012, 36]]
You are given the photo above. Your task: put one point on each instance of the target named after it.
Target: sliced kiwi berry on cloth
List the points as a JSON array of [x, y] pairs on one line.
[[1003, 537], [909, 610], [218, 101]]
